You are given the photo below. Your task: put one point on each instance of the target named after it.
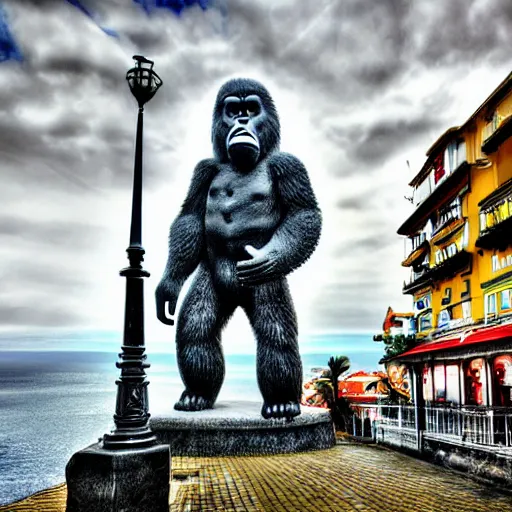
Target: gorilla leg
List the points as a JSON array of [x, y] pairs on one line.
[[272, 316], [199, 352]]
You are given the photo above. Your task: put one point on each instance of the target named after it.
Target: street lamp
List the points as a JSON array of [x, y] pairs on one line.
[[132, 418], [128, 470]]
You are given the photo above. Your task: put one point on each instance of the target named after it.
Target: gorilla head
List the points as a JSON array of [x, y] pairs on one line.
[[245, 123]]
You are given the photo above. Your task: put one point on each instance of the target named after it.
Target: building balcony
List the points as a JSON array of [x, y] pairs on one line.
[[499, 136], [416, 255], [447, 268], [418, 280], [496, 218], [445, 192], [446, 230], [451, 265]]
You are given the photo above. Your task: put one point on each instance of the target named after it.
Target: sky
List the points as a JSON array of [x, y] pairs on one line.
[[362, 88]]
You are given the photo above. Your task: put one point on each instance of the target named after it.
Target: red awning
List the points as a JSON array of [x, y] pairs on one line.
[[462, 340]]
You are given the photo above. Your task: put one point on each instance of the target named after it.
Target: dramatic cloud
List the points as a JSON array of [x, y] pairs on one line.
[[361, 88]]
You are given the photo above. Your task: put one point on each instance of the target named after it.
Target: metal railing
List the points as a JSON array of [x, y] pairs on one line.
[[366, 417], [491, 426], [486, 426]]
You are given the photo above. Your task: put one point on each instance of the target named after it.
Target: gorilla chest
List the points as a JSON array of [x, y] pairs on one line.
[[239, 203]]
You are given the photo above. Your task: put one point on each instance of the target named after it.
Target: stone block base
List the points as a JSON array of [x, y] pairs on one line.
[[136, 480]]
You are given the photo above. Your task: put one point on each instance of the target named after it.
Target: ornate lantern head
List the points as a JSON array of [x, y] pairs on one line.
[[143, 81]]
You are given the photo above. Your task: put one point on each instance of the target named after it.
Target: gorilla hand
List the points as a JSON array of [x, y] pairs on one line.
[[166, 299], [262, 268]]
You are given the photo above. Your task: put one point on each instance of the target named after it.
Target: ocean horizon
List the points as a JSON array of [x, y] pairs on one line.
[[56, 402]]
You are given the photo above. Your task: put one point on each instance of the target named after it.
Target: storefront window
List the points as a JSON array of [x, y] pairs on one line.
[[502, 380], [452, 384], [475, 385], [439, 383], [427, 384]]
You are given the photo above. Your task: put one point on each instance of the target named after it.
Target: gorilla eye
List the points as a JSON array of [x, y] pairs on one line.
[[253, 108], [232, 109]]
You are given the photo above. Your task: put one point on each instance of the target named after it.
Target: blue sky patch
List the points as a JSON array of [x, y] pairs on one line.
[[176, 6], [8, 48]]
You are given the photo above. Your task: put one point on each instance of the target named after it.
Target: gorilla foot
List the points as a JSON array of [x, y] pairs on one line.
[[192, 402], [281, 410]]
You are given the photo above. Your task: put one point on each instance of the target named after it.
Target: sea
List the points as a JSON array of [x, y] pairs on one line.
[[55, 403]]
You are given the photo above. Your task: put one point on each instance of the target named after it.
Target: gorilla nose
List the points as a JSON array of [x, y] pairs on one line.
[[243, 120]]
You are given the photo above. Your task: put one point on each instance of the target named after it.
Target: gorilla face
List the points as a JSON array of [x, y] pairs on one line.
[[245, 118], [245, 123]]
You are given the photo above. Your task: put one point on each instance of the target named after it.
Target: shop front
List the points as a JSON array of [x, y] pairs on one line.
[[463, 386]]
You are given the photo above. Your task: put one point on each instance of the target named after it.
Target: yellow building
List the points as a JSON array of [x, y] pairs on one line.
[[459, 234], [459, 250]]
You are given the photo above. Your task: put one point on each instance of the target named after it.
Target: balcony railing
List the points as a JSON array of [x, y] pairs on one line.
[[445, 190], [417, 280], [496, 218], [495, 225], [490, 426], [400, 416]]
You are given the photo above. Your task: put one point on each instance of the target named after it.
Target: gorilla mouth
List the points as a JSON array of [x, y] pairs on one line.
[[240, 135]]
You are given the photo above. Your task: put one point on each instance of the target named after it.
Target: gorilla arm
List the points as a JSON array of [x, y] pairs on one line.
[[296, 237], [186, 241]]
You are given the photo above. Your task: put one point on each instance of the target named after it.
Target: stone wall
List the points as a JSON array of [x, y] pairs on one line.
[[395, 437], [484, 462], [488, 463]]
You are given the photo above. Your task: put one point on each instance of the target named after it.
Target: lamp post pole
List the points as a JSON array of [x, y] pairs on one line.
[[128, 470], [132, 417]]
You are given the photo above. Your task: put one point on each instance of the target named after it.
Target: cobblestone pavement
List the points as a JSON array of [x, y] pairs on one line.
[[349, 477]]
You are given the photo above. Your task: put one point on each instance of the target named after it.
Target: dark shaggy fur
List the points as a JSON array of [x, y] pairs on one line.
[[269, 206]]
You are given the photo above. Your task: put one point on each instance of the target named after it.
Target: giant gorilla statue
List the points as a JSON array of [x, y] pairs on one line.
[[249, 219]]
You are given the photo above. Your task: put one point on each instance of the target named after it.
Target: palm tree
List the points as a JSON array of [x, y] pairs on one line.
[[338, 366], [339, 406]]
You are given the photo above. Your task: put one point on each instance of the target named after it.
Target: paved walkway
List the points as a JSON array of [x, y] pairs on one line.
[[349, 477]]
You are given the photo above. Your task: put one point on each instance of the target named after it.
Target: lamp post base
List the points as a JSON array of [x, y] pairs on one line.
[[129, 438], [134, 480]]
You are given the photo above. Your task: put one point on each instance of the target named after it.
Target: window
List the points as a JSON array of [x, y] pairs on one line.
[[465, 235], [425, 322], [476, 384], [451, 250], [483, 221], [439, 383], [423, 303], [505, 299], [439, 170], [501, 263], [495, 263], [461, 152], [490, 303], [466, 309], [502, 380], [447, 297], [452, 383], [443, 319], [452, 211], [427, 383], [466, 289], [423, 190], [491, 126]]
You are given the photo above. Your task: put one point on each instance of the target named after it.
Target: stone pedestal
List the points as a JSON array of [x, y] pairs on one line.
[[136, 480], [237, 428]]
